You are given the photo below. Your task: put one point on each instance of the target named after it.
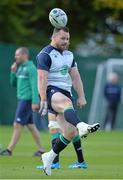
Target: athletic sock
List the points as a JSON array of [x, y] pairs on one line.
[[71, 116], [61, 144], [55, 139], [78, 148]]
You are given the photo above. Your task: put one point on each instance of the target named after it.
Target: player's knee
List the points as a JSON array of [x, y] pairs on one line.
[[70, 133], [54, 127], [16, 125], [54, 130], [53, 124]]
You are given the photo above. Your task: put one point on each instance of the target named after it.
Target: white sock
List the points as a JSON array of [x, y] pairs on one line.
[[52, 155]]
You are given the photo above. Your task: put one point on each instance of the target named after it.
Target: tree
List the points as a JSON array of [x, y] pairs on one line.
[[26, 22]]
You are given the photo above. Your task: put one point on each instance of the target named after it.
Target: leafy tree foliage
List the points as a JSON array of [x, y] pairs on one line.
[[26, 22]]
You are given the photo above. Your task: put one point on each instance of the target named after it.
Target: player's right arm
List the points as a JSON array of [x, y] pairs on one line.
[[42, 84], [13, 78], [43, 66]]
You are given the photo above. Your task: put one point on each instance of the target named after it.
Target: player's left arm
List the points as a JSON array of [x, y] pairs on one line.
[[42, 87], [78, 86]]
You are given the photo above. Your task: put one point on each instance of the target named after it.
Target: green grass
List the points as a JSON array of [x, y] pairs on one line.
[[103, 153]]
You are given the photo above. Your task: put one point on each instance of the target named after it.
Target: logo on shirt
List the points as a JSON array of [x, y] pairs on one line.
[[22, 72], [64, 69]]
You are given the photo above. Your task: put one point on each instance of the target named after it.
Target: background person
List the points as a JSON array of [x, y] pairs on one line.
[[112, 94], [24, 77]]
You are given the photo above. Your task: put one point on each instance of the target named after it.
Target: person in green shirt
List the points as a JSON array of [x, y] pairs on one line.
[[24, 77]]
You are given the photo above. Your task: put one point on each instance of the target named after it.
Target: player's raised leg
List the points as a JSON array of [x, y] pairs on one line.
[[63, 104]]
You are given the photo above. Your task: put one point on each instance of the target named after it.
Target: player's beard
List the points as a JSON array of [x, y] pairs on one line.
[[63, 46]]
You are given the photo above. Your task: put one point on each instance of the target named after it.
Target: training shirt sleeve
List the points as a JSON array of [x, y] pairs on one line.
[[74, 64], [43, 61], [33, 84], [13, 79]]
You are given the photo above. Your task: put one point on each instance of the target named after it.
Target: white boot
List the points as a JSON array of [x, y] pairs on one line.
[[47, 159], [84, 128]]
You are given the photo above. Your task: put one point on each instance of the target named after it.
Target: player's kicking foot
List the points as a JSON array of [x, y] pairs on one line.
[[94, 127], [84, 128], [46, 163]]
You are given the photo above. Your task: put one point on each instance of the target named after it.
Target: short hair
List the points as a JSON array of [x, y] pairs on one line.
[[23, 50], [65, 29], [112, 76]]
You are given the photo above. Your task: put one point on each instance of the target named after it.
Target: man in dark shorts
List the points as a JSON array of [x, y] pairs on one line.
[[24, 77], [57, 72]]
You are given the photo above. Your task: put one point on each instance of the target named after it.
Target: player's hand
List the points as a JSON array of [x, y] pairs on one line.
[[14, 67], [35, 107], [81, 102], [43, 108]]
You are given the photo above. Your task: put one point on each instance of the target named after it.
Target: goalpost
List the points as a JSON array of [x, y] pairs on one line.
[[98, 104]]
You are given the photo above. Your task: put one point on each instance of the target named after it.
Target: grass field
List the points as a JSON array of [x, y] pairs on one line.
[[103, 153]]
